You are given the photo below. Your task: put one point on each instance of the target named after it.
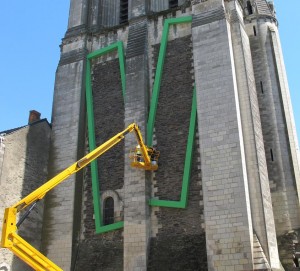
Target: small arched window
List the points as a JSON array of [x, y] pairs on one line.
[[109, 211]]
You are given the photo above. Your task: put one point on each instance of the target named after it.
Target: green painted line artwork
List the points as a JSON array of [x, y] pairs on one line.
[[182, 203], [100, 228]]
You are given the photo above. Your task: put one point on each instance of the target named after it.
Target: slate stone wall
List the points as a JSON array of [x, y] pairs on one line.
[[288, 244], [104, 251], [101, 252], [180, 241], [173, 117], [109, 120]]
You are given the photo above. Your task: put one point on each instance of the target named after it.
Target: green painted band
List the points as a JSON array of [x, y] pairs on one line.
[[91, 130], [166, 203], [189, 151], [110, 227], [92, 145], [103, 51]]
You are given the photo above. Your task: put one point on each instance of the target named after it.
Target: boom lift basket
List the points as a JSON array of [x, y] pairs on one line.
[[138, 160]]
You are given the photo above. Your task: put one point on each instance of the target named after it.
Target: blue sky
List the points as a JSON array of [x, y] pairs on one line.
[[30, 39], [31, 35]]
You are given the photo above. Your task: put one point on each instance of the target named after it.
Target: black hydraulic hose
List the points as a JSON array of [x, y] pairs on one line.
[[26, 214]]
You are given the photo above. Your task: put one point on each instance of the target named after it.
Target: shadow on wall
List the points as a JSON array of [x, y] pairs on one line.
[[34, 140]]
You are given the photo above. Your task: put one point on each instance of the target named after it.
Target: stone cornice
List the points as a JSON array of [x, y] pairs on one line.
[[72, 56], [209, 16]]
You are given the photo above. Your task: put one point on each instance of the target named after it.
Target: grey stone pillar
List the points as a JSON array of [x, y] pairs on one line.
[[159, 5], [277, 123], [260, 195], [62, 209], [78, 13], [67, 134], [94, 18], [136, 210], [109, 13], [291, 158], [227, 211]]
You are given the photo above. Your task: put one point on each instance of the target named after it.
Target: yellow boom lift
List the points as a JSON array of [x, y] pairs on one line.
[[143, 157]]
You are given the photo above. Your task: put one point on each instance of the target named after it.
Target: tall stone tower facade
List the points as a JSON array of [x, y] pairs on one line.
[[206, 83]]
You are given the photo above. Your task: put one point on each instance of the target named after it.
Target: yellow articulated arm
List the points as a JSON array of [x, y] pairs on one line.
[[12, 241], [22, 249]]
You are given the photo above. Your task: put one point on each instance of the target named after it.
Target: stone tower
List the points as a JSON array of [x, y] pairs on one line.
[[205, 81]]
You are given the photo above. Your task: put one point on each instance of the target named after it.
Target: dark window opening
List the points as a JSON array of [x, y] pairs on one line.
[[249, 7], [123, 11], [173, 3], [272, 156], [254, 30], [261, 87], [109, 217], [296, 261]]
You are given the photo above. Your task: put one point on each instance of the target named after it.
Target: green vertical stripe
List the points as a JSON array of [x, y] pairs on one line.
[[92, 145], [122, 68], [91, 131], [189, 152], [159, 72], [182, 203], [157, 82]]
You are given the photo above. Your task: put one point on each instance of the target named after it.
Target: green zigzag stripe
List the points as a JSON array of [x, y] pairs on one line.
[[91, 126], [182, 203]]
